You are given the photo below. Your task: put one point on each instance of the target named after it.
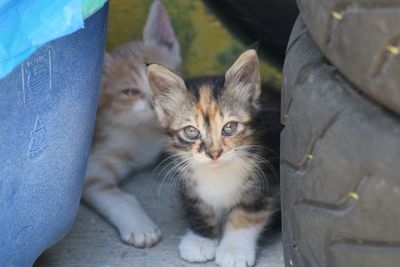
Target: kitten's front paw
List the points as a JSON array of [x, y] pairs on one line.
[[194, 248], [234, 255], [141, 235]]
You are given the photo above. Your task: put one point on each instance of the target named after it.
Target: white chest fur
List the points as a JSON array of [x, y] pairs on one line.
[[143, 142], [220, 187], [147, 146]]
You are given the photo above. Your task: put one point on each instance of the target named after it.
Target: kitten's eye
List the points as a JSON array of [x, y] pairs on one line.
[[229, 128], [191, 133], [131, 92]]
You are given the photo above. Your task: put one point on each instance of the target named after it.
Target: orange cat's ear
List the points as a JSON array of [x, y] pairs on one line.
[[107, 62], [243, 78], [167, 89], [159, 31]]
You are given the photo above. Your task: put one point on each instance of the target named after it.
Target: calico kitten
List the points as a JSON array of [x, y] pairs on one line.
[[127, 134], [226, 135]]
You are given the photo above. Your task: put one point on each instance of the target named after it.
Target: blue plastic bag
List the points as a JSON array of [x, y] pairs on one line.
[[47, 115], [25, 25]]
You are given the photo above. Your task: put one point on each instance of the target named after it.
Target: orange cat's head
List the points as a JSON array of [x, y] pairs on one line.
[[125, 89]]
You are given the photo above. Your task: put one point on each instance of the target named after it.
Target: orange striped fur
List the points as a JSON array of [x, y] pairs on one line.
[[127, 133]]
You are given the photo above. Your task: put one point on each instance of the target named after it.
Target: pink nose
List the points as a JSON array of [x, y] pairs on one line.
[[214, 154]]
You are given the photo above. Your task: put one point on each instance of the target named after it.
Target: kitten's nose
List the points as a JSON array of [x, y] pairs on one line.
[[214, 154]]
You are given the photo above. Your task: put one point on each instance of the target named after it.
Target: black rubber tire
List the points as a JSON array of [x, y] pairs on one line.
[[340, 171], [362, 39]]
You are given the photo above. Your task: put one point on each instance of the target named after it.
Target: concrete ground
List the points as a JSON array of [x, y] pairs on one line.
[[94, 243]]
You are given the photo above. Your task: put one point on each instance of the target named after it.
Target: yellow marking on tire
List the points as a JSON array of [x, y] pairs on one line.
[[354, 195], [393, 49], [309, 156], [336, 15]]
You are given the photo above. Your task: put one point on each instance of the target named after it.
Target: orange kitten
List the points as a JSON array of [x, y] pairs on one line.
[[127, 134]]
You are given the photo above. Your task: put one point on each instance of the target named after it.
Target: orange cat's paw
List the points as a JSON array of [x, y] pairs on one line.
[[142, 236]]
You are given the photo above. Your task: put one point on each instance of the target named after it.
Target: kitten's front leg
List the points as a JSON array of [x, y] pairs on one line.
[[200, 242], [122, 210], [239, 242]]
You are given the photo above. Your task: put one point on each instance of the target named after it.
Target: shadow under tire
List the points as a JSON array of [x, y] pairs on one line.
[[340, 171]]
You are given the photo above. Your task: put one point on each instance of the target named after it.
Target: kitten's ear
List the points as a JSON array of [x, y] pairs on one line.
[[158, 30], [243, 78], [168, 91]]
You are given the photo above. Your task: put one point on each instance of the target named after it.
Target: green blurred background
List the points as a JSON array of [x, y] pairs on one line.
[[206, 45]]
